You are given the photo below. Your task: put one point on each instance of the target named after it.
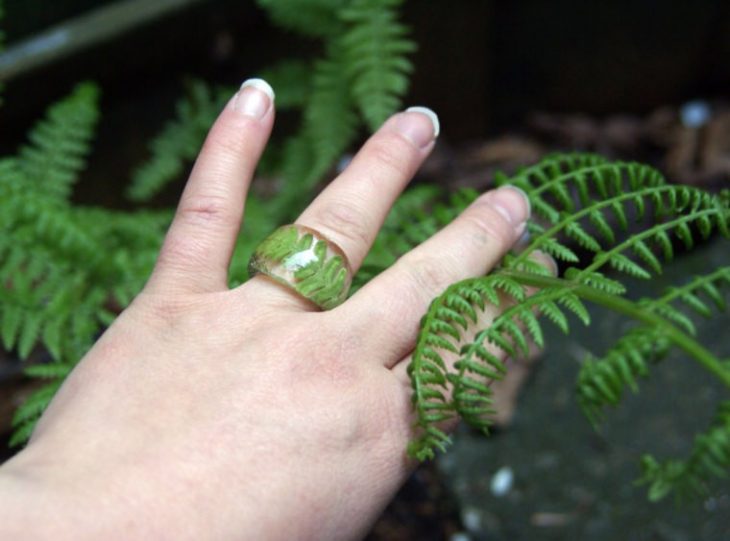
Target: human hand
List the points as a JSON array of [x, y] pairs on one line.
[[209, 413]]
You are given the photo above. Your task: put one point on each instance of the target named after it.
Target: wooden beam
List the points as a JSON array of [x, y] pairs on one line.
[[89, 29]]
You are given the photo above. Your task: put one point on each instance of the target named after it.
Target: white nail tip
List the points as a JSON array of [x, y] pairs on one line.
[[431, 115], [261, 85]]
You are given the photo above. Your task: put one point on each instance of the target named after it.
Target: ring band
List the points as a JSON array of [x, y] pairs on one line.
[[307, 262]]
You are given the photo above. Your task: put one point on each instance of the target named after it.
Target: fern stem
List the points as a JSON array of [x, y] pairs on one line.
[[624, 306]]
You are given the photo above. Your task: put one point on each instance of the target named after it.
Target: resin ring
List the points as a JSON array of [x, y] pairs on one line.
[[307, 262]]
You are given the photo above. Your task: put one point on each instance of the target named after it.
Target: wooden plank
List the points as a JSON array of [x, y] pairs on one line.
[[99, 25]]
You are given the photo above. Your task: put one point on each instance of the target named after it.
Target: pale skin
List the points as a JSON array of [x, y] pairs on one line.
[[210, 413]]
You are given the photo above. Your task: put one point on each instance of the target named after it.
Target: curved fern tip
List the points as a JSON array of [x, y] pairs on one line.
[[419, 452]]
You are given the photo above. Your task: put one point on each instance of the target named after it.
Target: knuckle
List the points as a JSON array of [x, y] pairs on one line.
[[547, 261], [488, 226], [227, 139], [178, 254], [430, 275], [161, 312], [346, 220], [208, 210], [392, 155]]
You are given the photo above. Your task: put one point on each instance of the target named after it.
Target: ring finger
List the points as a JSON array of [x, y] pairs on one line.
[[351, 210]]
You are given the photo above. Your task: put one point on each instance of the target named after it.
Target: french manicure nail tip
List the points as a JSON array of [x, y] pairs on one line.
[[260, 84], [433, 117], [254, 98], [417, 124], [513, 204]]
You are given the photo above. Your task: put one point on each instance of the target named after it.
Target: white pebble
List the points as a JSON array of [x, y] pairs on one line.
[[502, 481], [472, 519], [695, 114]]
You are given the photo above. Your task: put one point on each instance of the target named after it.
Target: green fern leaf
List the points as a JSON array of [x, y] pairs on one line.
[[558, 251], [552, 312], [291, 79], [600, 381], [22, 433], [315, 18], [35, 404], [29, 332], [595, 280], [60, 143], [375, 46], [533, 327], [575, 231], [12, 318], [622, 263], [52, 370], [709, 458], [599, 221], [569, 194], [179, 142], [573, 303]]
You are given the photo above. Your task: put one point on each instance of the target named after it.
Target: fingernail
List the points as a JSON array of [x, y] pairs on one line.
[[548, 260], [254, 98], [522, 242], [512, 203], [418, 124]]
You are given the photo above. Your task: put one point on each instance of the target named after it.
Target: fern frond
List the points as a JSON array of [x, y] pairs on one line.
[[314, 18], [180, 140], [589, 202], [60, 264], [64, 304], [429, 369], [364, 68], [27, 415], [407, 224], [415, 217], [596, 193], [375, 47], [328, 127], [691, 294], [601, 381], [329, 118], [436, 388], [60, 143], [709, 458], [291, 80]]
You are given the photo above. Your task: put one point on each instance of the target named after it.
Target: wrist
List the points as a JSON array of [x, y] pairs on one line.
[[26, 500], [45, 497]]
